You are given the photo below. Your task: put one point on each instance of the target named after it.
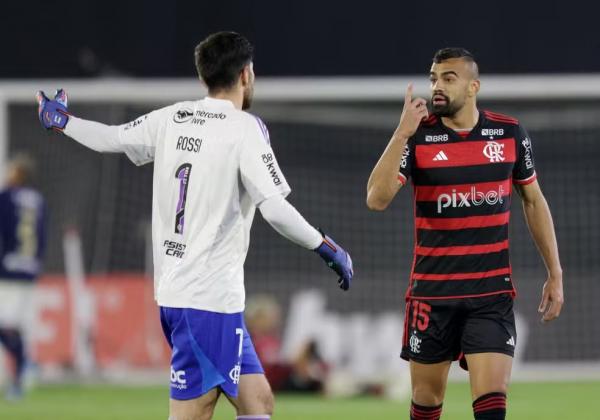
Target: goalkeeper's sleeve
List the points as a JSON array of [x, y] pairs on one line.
[[97, 136], [286, 220]]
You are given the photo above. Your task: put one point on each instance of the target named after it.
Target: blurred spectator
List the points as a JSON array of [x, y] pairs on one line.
[[22, 243], [306, 372]]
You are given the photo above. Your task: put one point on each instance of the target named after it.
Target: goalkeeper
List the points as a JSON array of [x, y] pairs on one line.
[[213, 165]]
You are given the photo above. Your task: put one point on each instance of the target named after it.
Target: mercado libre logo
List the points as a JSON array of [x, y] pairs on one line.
[[183, 115]]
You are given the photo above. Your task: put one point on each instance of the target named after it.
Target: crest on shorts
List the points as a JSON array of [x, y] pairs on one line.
[[415, 343], [234, 374]]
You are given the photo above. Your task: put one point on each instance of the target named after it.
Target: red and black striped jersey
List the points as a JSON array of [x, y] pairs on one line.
[[462, 190]]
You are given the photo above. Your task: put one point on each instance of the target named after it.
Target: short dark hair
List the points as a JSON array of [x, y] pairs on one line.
[[456, 52], [452, 52], [221, 57]]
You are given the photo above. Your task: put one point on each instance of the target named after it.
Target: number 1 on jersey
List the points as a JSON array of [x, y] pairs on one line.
[[183, 175]]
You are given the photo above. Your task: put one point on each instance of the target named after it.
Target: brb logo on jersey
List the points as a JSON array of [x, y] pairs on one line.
[[494, 151], [492, 131], [469, 199], [178, 379], [437, 139]]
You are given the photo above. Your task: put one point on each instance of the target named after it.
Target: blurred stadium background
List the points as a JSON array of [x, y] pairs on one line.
[[330, 87]]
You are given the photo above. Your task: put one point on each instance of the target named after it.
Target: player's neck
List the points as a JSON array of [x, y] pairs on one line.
[[234, 95], [466, 118]]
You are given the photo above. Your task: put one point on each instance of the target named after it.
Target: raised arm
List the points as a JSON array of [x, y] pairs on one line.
[[541, 226], [383, 183], [137, 139], [55, 116]]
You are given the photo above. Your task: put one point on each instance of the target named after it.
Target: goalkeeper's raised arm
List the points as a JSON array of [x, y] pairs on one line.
[[135, 139]]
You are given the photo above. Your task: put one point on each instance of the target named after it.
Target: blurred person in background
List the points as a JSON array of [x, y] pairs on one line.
[[22, 243], [213, 166], [463, 163], [306, 372]]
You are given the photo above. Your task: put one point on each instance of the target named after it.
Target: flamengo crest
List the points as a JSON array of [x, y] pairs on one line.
[[494, 151]]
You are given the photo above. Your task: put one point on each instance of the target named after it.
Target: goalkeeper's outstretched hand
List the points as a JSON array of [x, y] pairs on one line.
[[53, 113], [338, 260]]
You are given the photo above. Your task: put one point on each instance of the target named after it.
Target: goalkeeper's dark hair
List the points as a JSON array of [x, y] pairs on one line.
[[221, 57], [456, 52]]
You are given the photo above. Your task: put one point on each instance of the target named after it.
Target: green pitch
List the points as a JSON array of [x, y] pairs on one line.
[[527, 401]]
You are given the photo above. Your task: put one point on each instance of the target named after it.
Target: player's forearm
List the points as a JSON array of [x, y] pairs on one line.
[[96, 136], [541, 226], [286, 220], [383, 183]]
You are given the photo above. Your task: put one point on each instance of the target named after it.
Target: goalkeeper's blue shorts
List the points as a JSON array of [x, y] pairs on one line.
[[209, 350]]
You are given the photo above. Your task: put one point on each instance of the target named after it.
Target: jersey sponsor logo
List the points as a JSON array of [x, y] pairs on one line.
[[199, 117], [405, 156], [440, 156], [178, 379], [436, 139], [494, 151], [174, 249], [269, 161], [528, 155], [210, 115], [135, 123], [188, 144], [469, 199], [183, 115], [415, 343], [492, 131]]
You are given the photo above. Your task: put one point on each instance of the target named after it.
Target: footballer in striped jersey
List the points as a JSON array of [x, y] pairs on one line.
[[463, 163]]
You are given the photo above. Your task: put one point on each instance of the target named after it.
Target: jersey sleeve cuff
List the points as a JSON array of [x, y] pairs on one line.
[[527, 180], [402, 178]]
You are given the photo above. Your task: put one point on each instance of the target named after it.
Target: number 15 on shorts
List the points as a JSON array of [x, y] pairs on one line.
[[420, 315]]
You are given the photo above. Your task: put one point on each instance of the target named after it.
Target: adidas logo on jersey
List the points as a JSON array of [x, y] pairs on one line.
[[511, 341], [440, 156]]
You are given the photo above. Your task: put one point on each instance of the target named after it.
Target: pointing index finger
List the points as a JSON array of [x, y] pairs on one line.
[[408, 95]]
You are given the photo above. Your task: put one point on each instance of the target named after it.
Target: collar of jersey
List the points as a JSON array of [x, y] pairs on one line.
[[454, 134], [215, 101]]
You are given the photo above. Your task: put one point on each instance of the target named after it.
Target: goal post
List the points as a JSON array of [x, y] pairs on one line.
[[328, 132]]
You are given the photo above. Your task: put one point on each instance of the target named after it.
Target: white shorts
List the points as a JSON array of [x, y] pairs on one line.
[[16, 304]]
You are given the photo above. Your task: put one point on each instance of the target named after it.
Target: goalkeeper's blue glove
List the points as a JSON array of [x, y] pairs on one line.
[[53, 113], [337, 259]]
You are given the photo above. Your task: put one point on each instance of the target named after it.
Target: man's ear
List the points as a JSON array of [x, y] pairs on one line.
[[474, 87], [246, 75]]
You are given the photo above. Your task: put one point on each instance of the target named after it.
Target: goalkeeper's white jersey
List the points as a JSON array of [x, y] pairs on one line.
[[213, 164]]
